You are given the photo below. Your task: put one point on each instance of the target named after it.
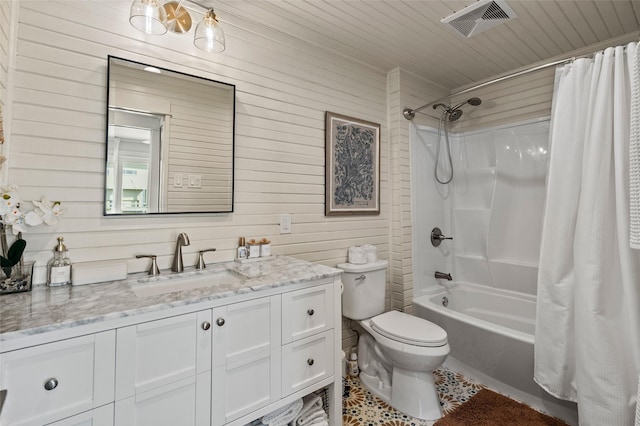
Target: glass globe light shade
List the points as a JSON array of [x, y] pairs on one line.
[[209, 35], [148, 16]]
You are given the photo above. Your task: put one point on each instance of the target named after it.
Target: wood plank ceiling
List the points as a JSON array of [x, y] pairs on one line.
[[408, 33]]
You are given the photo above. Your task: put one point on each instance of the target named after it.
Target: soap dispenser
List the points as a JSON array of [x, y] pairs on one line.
[[59, 267]]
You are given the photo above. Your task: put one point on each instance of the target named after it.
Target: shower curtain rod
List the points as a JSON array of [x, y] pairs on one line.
[[410, 113]]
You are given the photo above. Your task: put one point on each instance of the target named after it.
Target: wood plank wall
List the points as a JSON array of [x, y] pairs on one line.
[[284, 86]]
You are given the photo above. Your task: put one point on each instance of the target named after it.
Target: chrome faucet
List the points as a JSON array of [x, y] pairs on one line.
[[443, 275], [183, 240]]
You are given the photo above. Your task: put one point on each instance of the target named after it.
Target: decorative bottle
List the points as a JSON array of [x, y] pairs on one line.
[[59, 267], [354, 371], [242, 248]]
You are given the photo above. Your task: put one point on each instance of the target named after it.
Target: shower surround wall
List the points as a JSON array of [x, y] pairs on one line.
[[493, 208]]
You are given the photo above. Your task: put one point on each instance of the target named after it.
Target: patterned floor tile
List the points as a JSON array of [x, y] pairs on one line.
[[362, 408]]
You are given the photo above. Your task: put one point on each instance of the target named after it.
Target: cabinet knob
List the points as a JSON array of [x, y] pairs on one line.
[[310, 361], [206, 325], [51, 384], [310, 312], [220, 321]]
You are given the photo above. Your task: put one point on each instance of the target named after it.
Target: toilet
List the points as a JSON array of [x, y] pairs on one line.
[[398, 352]]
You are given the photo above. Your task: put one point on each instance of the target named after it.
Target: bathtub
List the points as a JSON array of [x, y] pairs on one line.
[[491, 334]]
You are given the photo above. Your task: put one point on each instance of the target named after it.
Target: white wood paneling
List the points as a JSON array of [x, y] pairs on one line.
[[283, 90], [409, 34]]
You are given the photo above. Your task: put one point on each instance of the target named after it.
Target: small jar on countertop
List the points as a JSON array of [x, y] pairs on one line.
[[265, 248], [253, 249]]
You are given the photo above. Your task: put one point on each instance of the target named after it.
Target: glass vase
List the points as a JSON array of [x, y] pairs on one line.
[[17, 278]]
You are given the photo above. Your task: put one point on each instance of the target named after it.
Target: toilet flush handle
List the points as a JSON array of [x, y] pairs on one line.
[[361, 278]]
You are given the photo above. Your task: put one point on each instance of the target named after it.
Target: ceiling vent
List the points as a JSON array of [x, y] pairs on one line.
[[479, 17]]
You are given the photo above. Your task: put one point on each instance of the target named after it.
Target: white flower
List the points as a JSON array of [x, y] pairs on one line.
[[15, 218], [48, 211], [9, 199], [45, 211]]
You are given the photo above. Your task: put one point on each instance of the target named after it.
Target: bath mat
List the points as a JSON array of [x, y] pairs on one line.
[[487, 408]]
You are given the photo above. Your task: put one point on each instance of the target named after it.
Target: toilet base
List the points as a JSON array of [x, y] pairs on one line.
[[415, 395]]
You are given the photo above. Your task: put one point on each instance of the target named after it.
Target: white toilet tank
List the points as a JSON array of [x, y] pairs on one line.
[[364, 288]]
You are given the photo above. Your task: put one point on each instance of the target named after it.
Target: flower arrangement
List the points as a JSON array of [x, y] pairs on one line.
[[12, 215]]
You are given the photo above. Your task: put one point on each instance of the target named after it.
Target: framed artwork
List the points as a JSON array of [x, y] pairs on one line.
[[352, 166]]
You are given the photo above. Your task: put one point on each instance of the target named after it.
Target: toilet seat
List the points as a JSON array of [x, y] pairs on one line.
[[408, 329]]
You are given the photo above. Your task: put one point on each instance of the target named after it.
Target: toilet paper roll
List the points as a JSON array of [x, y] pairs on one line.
[[371, 252], [357, 255]]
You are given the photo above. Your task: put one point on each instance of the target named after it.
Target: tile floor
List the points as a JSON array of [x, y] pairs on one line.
[[361, 408]]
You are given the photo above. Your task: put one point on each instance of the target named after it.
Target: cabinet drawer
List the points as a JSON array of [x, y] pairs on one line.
[[307, 312], [50, 382], [102, 416], [306, 362]]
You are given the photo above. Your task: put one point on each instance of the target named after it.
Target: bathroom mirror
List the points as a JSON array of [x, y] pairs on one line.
[[170, 141]]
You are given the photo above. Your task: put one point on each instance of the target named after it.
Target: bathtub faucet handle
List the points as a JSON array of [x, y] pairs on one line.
[[437, 236], [443, 275]]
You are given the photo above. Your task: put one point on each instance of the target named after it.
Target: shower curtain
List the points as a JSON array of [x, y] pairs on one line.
[[587, 342]]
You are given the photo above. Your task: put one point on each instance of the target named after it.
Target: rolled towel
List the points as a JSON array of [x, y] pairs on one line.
[[284, 415], [310, 402], [312, 417], [321, 423]]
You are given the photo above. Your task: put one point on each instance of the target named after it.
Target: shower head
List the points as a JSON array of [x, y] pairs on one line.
[[472, 101], [454, 115]]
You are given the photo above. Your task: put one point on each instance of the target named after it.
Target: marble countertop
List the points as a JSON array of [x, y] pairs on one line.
[[46, 309]]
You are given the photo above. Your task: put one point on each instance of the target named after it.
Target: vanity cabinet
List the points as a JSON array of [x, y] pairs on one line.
[[163, 371], [222, 362], [53, 381], [246, 358]]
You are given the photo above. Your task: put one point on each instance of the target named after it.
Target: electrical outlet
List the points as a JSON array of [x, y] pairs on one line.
[[177, 181], [195, 181], [285, 223]]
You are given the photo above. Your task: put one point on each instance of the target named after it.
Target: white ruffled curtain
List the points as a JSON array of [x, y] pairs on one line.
[[588, 312]]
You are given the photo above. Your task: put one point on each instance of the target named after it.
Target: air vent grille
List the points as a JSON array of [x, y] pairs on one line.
[[479, 17]]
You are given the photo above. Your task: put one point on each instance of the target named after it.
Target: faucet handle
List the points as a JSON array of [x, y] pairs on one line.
[[153, 270], [201, 264]]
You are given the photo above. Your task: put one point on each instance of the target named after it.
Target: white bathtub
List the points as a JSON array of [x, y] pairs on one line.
[[491, 334]]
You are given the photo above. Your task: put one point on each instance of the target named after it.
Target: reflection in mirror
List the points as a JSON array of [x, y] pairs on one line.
[[170, 142]]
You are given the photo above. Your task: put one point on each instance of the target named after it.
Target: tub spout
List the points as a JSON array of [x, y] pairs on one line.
[[442, 275]]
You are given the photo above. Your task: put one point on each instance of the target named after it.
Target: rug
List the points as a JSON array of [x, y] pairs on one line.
[[487, 408]]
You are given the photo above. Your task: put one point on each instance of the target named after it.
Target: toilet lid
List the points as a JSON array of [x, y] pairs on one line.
[[409, 329]]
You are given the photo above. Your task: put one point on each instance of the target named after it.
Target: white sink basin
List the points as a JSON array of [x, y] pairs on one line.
[[171, 284]]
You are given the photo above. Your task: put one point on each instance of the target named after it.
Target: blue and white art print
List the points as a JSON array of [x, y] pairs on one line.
[[352, 166]]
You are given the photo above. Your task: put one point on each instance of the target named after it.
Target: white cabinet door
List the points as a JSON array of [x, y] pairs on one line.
[[246, 358], [102, 416], [158, 353], [181, 403], [53, 381]]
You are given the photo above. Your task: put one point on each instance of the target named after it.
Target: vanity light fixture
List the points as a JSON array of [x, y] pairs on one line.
[[209, 35], [148, 16], [153, 17]]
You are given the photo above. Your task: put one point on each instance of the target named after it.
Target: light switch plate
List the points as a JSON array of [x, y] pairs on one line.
[[177, 180], [285, 223]]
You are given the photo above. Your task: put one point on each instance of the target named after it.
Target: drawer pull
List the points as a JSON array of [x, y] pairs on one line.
[[310, 361], [310, 312], [220, 321], [206, 325], [51, 384]]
